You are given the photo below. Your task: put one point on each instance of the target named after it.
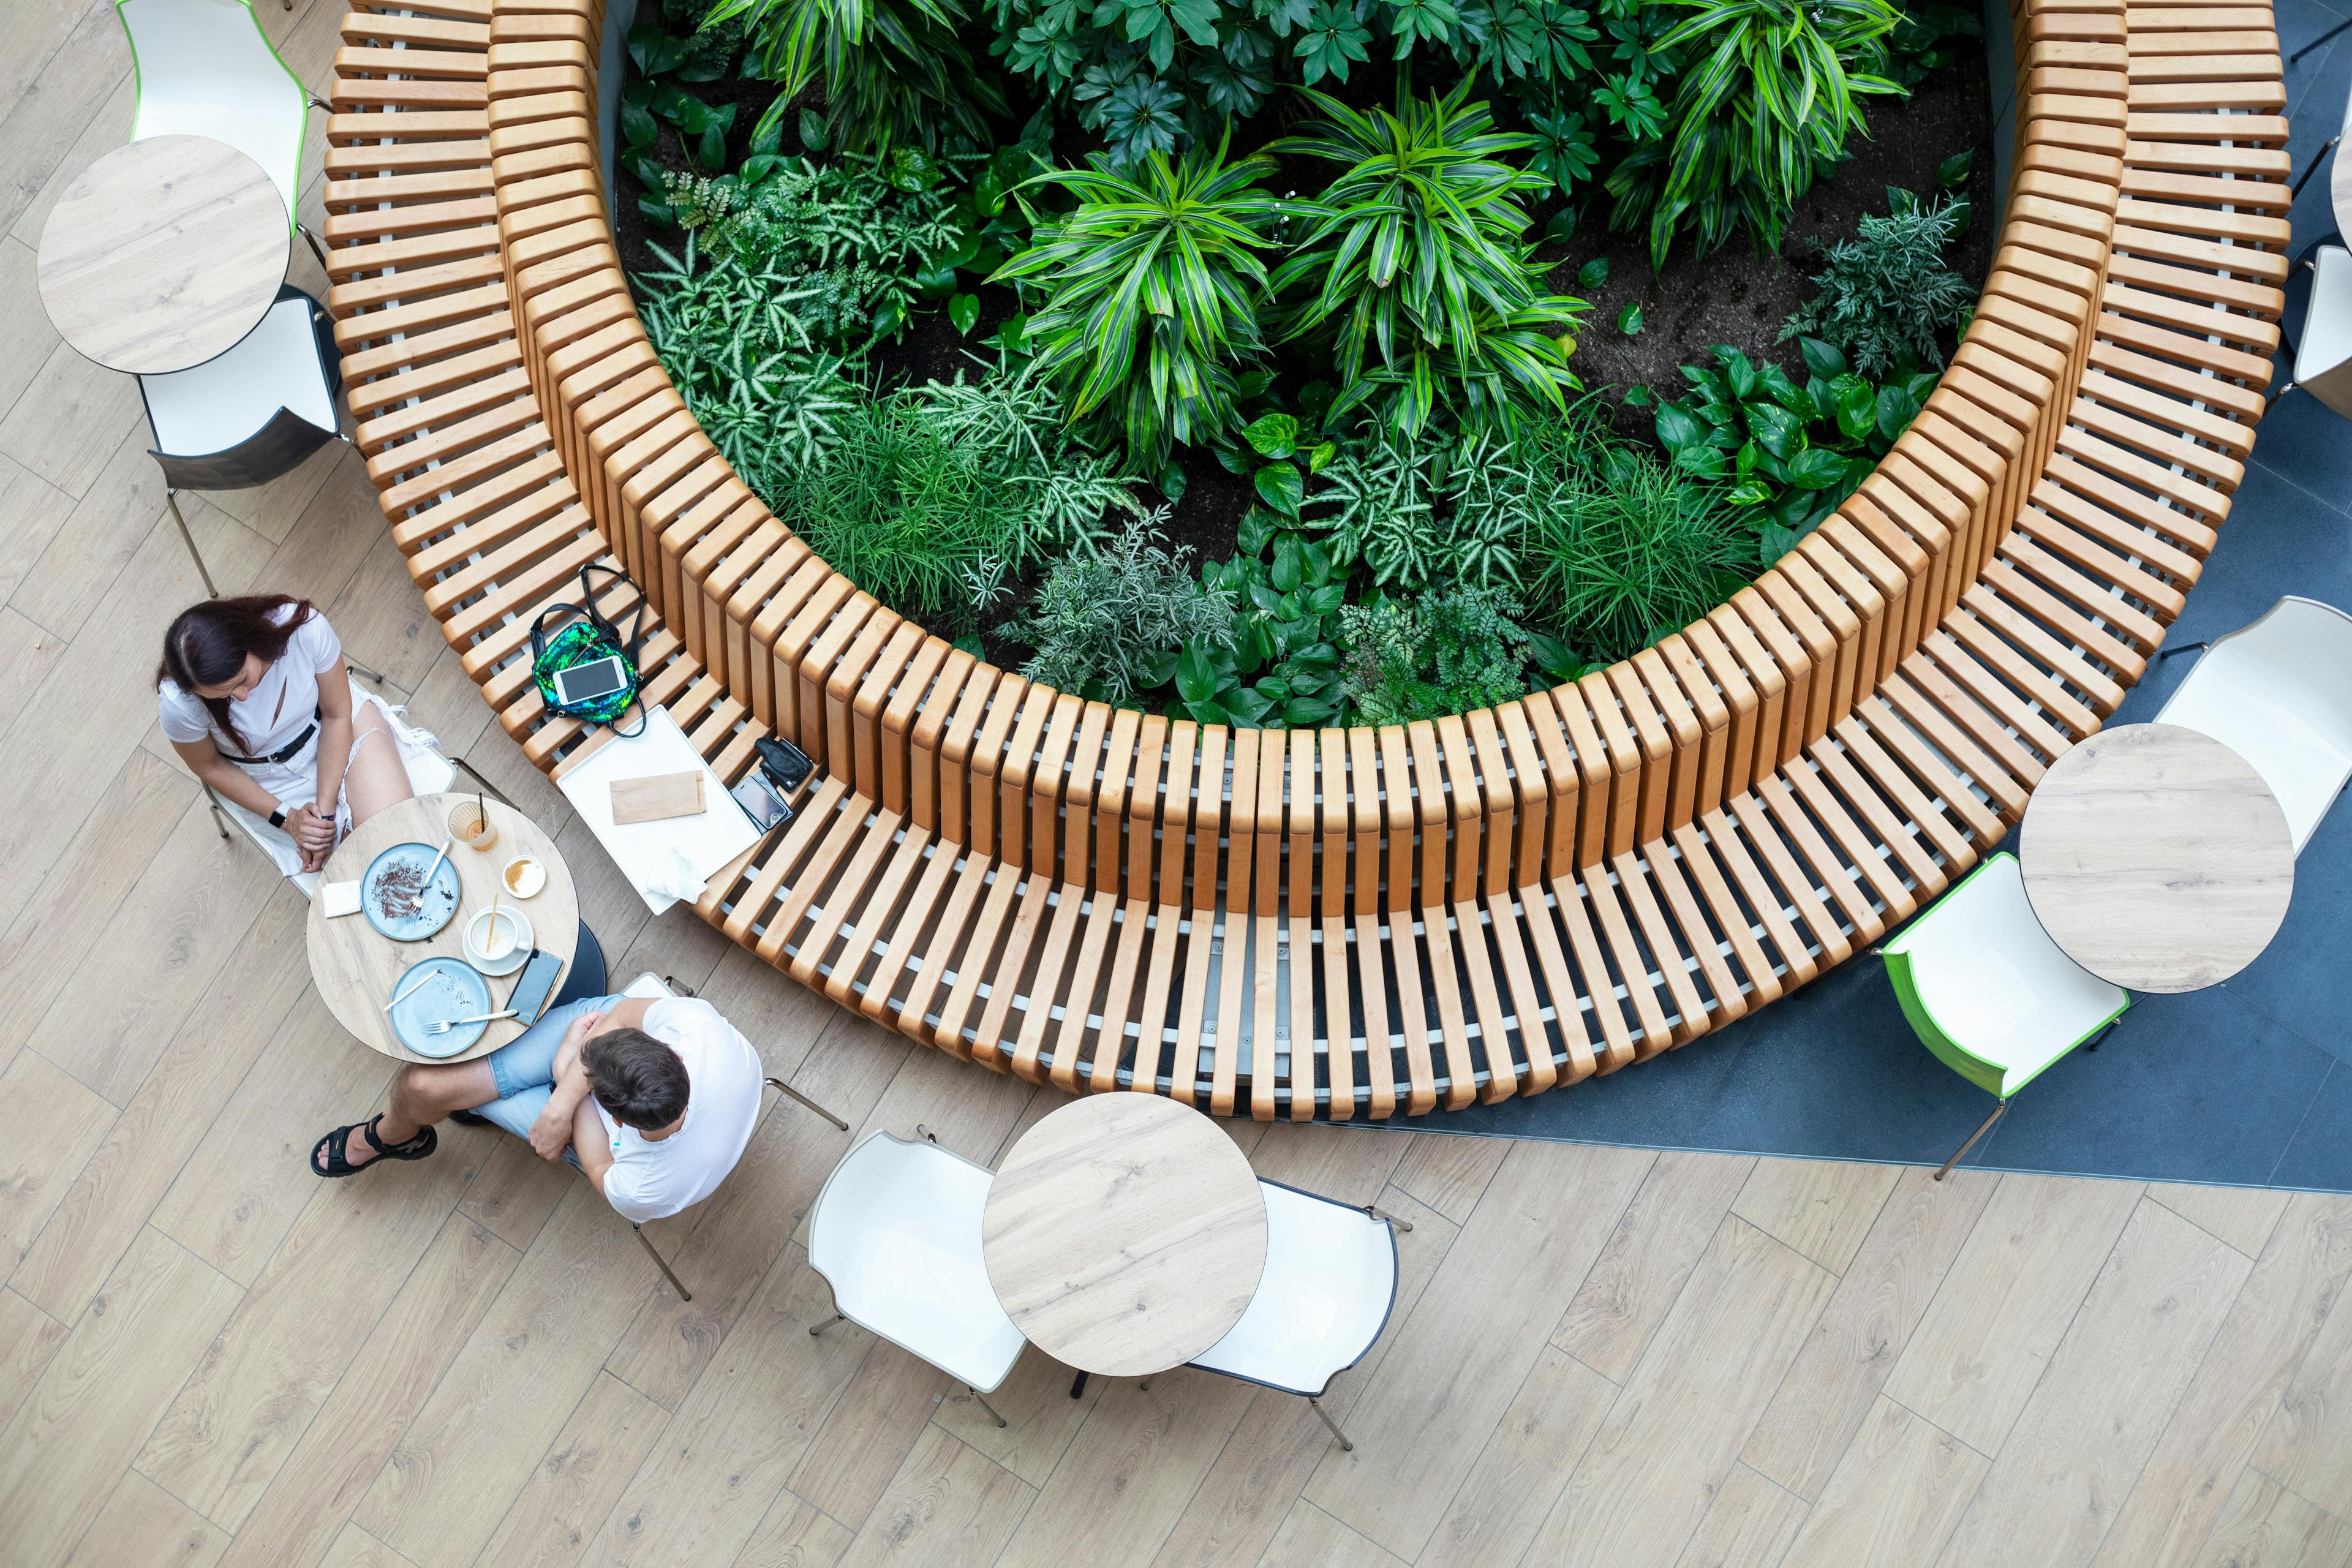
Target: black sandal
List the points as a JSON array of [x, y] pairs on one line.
[[470, 1119], [337, 1144]]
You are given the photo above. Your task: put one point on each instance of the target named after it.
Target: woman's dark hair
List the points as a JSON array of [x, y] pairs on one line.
[[636, 1077], [206, 645]]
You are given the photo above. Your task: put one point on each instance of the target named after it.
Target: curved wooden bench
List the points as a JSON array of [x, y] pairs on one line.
[[1343, 922]]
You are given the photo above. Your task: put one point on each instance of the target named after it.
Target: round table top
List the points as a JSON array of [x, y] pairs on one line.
[[2156, 858], [1125, 1234], [163, 254], [355, 966]]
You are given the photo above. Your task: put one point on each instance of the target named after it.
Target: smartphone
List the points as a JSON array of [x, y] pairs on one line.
[[533, 987], [761, 803], [586, 683]]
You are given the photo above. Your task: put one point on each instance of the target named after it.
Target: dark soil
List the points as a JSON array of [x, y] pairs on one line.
[[1733, 296]]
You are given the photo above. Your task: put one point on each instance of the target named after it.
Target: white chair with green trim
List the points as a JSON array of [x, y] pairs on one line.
[[204, 68], [1991, 994]]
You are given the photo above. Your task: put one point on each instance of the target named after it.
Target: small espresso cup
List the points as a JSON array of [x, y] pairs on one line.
[[524, 875]]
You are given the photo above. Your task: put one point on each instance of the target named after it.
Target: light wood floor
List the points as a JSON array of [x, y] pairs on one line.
[[1599, 1356]]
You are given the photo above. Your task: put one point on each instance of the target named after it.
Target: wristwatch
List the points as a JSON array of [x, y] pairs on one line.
[[277, 817]]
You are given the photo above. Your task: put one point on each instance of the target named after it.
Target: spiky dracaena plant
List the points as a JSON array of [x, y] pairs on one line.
[[1150, 294], [1416, 260]]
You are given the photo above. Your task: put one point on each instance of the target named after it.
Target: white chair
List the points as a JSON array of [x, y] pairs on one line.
[[2322, 353], [1328, 1286], [1990, 993], [205, 68], [2279, 693], [896, 1233], [250, 416]]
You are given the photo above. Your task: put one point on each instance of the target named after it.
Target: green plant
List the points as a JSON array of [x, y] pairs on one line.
[[1417, 265], [1791, 453], [734, 339], [1285, 623], [1445, 653], [1056, 493], [1626, 549], [1916, 46], [893, 71], [1764, 103], [1109, 624], [1150, 295], [1887, 293]]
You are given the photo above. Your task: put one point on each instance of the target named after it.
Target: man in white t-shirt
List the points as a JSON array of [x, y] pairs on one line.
[[654, 1100]]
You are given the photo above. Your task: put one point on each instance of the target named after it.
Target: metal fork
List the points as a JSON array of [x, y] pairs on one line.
[[443, 1026]]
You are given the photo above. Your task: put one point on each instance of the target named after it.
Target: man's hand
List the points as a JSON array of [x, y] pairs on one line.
[[567, 1055], [551, 1135]]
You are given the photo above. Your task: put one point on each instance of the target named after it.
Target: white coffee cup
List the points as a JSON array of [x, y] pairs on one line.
[[498, 940]]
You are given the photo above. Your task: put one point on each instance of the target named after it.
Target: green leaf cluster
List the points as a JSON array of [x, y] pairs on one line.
[[1789, 453], [1768, 92], [1416, 268], [894, 71], [1109, 624], [1887, 294], [1150, 288], [928, 499], [1432, 655]]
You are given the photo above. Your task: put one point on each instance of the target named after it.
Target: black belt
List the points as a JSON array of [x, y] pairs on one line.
[[287, 751]]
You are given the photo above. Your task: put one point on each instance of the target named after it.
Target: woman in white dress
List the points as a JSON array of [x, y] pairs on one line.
[[253, 695]]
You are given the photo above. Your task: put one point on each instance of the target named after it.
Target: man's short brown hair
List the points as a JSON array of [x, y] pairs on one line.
[[636, 1077]]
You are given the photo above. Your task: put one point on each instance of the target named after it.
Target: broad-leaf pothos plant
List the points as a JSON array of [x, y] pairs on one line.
[[1418, 261], [1150, 288]]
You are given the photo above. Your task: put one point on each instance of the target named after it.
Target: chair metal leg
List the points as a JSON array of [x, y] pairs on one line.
[[463, 766], [1316, 1406], [817, 1329], [356, 667], [2113, 1024], [813, 1105], [2163, 654], [1997, 1112], [316, 248], [667, 1272], [2317, 41], [984, 1404], [2317, 159], [171, 498], [1144, 1387], [678, 985], [220, 817], [1404, 1225]]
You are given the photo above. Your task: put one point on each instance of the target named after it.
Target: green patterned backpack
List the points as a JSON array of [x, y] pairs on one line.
[[583, 635]]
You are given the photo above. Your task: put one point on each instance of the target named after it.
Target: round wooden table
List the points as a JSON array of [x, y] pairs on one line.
[[163, 254], [355, 966], [2156, 858], [1125, 1234]]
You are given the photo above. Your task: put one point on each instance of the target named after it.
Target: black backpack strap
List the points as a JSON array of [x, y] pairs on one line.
[[635, 636]]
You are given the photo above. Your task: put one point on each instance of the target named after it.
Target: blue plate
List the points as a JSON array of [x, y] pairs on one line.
[[439, 901], [446, 988]]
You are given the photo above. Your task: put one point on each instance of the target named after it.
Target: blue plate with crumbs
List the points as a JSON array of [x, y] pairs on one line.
[[397, 899], [445, 989]]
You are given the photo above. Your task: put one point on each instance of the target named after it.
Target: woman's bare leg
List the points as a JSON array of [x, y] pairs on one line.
[[374, 777]]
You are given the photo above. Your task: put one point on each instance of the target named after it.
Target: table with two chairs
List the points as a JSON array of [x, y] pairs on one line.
[[1123, 1235], [2155, 857], [167, 258]]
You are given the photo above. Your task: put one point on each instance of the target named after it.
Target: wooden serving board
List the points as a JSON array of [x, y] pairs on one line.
[[656, 796]]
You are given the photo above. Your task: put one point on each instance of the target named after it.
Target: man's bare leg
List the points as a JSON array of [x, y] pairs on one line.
[[422, 1096]]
